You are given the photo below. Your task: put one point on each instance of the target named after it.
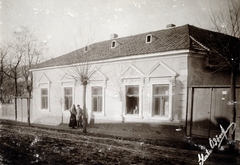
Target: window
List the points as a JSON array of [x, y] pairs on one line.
[[44, 98], [113, 45], [149, 38], [85, 48], [132, 99], [160, 100], [68, 98], [97, 99]]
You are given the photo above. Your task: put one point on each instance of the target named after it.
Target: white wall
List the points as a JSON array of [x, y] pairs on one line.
[[112, 76]]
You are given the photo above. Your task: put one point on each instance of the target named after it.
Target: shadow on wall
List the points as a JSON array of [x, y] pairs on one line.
[[178, 95], [92, 119], [209, 127]]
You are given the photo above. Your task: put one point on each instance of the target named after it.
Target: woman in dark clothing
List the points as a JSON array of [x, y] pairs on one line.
[[73, 121]]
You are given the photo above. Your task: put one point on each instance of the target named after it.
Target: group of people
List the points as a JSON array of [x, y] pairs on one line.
[[76, 117]]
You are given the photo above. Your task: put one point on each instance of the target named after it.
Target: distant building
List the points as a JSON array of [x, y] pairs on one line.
[[155, 77]]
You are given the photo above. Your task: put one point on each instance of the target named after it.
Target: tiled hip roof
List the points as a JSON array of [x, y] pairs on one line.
[[177, 38]]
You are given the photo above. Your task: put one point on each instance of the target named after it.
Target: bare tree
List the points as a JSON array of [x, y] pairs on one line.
[[228, 22], [226, 54], [32, 51], [13, 61], [7, 78], [7, 91], [4, 51], [24, 52], [81, 73], [81, 69]]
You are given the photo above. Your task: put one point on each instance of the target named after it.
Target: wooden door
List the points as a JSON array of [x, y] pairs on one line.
[[210, 110], [220, 110], [201, 111]]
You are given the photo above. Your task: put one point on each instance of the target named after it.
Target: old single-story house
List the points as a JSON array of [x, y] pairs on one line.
[[155, 77]]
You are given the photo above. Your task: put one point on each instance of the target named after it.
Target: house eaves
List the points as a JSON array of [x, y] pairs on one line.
[[176, 53]]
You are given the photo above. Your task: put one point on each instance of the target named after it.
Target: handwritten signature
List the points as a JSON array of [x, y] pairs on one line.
[[216, 141]]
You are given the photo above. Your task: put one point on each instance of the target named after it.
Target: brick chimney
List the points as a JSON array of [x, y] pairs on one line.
[[112, 36], [170, 25]]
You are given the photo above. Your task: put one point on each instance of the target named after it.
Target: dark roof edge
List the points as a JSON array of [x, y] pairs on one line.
[[173, 52]]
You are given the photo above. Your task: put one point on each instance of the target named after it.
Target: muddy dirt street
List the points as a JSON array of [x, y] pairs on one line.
[[32, 145]]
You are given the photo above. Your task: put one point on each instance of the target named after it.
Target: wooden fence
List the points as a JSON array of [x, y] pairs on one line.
[[7, 111]]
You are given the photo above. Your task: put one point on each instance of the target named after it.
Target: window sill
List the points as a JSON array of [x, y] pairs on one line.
[[98, 113], [44, 110], [66, 111], [137, 116], [158, 116], [164, 118]]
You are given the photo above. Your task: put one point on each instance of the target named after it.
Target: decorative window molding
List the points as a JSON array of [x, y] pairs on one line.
[[132, 72], [44, 84], [68, 79], [162, 78], [161, 70], [44, 80], [96, 76], [149, 38], [68, 85], [168, 71], [98, 81], [133, 78]]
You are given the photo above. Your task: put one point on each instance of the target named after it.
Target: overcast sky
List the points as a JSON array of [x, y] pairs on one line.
[[70, 24]]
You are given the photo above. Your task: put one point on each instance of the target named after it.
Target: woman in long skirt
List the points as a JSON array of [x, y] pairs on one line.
[[73, 121]]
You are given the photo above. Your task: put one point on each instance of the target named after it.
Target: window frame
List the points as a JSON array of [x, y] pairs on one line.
[[138, 100], [161, 81], [43, 83], [45, 96], [159, 96], [85, 48], [102, 99], [67, 83], [113, 44], [64, 98], [138, 80], [149, 38]]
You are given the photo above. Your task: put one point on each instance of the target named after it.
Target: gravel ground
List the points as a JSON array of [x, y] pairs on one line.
[[103, 144]]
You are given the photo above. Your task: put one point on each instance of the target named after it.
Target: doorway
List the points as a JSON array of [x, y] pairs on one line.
[[210, 109]]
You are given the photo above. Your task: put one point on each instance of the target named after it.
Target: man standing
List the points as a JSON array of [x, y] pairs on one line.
[[79, 116]]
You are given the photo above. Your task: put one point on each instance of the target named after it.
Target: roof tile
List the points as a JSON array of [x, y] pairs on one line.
[[177, 38]]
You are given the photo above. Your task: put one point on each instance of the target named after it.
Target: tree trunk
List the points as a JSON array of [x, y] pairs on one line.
[[84, 109], [28, 107], [29, 89], [233, 99], [16, 94], [1, 83]]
